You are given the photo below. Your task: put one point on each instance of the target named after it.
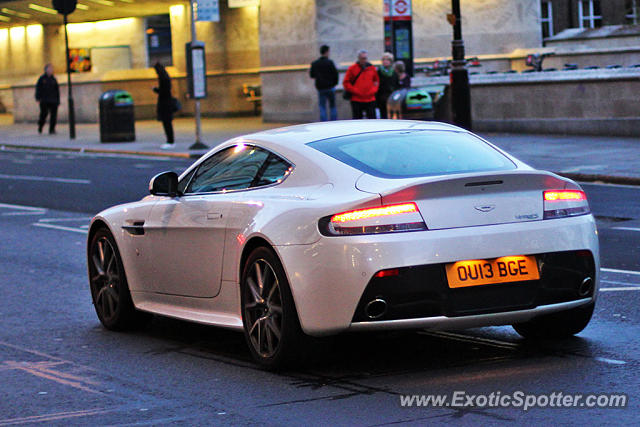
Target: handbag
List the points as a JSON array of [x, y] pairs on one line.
[[175, 105], [345, 93]]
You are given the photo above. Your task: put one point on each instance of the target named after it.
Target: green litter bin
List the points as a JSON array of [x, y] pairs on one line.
[[117, 122], [419, 103]]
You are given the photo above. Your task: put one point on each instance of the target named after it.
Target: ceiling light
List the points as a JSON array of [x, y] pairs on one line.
[[42, 9]]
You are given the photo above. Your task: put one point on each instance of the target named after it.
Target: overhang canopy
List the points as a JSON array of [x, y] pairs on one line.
[[26, 12]]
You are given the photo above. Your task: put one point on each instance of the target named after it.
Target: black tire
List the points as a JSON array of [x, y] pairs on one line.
[[108, 283], [271, 325], [559, 325]]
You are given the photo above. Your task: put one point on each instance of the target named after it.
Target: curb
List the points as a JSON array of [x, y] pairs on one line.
[[182, 155], [606, 179]]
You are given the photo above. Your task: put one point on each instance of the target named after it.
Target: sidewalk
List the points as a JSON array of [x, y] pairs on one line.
[[585, 158]]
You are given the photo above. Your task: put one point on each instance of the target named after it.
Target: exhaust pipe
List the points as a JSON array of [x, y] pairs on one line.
[[375, 309], [585, 287]]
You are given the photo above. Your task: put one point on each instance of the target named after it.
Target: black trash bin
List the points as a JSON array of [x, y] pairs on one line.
[[117, 123], [416, 103]]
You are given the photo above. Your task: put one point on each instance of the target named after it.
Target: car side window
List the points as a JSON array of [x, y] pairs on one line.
[[182, 185], [274, 170], [233, 168]]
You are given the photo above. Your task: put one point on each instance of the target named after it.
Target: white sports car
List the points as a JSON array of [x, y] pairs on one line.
[[316, 229]]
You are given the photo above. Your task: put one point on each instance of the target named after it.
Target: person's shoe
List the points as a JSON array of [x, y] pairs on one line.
[[39, 129], [52, 132], [167, 146]]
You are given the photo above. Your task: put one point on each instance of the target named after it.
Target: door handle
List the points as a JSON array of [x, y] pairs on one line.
[[213, 215]]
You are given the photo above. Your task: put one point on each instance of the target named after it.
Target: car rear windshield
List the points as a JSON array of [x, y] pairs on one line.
[[407, 154]]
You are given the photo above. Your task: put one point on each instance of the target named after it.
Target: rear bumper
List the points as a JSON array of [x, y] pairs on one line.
[[329, 278], [465, 322]]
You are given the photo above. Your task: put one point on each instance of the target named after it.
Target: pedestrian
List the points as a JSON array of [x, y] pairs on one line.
[[361, 84], [402, 79], [324, 71], [165, 107], [48, 95], [385, 74]]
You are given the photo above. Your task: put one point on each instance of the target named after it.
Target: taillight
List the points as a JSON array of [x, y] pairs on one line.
[[564, 203], [381, 219]]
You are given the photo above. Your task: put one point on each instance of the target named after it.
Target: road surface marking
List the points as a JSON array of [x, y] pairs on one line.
[[24, 213], [53, 417], [613, 282], [46, 179], [626, 288], [613, 270], [64, 219], [468, 338], [626, 228], [21, 207], [60, 227], [610, 361], [48, 373]]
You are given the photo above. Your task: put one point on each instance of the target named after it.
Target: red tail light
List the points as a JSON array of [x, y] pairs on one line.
[[564, 203], [564, 195], [379, 219]]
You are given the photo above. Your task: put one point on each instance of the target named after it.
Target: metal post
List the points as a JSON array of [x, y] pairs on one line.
[[72, 115], [460, 89], [198, 145]]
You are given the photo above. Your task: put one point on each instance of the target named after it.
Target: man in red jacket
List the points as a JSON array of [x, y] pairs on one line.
[[362, 81]]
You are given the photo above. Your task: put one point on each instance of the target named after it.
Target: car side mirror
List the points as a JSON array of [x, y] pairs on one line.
[[164, 184]]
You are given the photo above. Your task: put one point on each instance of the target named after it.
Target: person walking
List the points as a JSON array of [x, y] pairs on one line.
[[401, 80], [385, 74], [324, 71], [165, 104], [361, 82], [48, 95]]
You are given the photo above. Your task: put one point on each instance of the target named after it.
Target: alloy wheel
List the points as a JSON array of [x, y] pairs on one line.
[[105, 278]]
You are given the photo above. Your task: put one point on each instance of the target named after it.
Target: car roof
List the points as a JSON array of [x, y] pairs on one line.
[[310, 132]]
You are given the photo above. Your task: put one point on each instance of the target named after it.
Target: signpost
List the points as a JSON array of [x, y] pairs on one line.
[[65, 7], [398, 33], [207, 10], [460, 89]]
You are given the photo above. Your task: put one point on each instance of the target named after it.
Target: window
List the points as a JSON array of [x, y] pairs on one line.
[[631, 7], [411, 153], [589, 14], [546, 19], [237, 168]]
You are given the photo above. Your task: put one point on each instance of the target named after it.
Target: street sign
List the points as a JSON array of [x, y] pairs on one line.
[[208, 10], [451, 19], [196, 70], [400, 10], [65, 7]]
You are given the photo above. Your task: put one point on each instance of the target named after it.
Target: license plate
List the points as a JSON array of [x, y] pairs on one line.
[[490, 271]]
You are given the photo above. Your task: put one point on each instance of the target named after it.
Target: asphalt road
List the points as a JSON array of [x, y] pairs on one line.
[[58, 366]]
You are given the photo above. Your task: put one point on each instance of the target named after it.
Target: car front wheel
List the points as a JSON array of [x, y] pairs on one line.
[[108, 282], [558, 325]]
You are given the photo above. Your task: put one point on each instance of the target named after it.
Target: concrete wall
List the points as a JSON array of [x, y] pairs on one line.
[[598, 102]]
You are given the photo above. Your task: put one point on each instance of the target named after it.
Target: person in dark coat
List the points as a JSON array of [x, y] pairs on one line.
[[48, 95], [401, 80], [165, 104], [324, 71], [386, 75]]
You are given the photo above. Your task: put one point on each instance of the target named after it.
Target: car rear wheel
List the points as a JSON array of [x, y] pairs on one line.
[[557, 325], [108, 282], [271, 326]]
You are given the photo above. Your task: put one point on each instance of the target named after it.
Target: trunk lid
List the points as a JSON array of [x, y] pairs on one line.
[[471, 199]]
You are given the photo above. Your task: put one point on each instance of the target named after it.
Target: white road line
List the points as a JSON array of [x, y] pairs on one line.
[[613, 270], [60, 227], [21, 207], [46, 179], [610, 361], [24, 213], [613, 282], [626, 228], [626, 288], [65, 219]]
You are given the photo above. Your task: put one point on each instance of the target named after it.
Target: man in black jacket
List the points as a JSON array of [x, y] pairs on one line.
[[48, 95], [324, 71]]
